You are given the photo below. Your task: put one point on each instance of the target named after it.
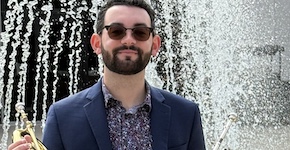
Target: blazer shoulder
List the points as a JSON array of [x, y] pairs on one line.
[[80, 98], [172, 99], [75, 98]]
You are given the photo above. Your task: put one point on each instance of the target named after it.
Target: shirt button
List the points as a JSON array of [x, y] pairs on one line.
[[127, 116], [145, 108]]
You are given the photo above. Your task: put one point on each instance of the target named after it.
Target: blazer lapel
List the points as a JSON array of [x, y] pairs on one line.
[[96, 114], [160, 120]]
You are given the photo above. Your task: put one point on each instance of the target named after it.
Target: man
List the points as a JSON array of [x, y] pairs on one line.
[[122, 111]]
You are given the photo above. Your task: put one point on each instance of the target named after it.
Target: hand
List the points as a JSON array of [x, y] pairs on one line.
[[23, 144]]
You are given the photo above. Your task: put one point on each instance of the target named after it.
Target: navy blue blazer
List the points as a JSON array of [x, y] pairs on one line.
[[79, 122]]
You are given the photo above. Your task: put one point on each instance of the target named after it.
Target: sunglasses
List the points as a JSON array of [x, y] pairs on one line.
[[117, 32]]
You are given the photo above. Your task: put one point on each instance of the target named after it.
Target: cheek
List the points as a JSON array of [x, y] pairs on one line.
[[148, 48], [108, 44]]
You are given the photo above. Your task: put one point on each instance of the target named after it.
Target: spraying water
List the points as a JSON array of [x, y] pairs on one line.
[[227, 56]]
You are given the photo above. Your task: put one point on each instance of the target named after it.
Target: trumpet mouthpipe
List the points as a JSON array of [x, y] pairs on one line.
[[232, 118], [20, 133]]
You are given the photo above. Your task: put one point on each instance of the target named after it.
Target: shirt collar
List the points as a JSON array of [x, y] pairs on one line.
[[109, 98]]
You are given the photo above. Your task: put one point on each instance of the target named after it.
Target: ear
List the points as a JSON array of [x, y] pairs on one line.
[[96, 43], [156, 45]]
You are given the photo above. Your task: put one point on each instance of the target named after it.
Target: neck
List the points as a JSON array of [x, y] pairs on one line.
[[129, 89]]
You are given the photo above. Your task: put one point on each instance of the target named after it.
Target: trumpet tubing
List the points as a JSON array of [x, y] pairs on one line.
[[232, 118], [20, 133]]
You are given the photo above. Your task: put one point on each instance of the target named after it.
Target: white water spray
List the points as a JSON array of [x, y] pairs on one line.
[[228, 56]]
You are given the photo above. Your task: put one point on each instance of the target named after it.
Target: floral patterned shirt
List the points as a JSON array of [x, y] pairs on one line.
[[129, 129]]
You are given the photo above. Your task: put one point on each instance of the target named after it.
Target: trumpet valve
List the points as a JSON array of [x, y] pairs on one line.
[[233, 117]]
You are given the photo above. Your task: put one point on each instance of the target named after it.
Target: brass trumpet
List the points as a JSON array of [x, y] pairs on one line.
[[232, 118], [20, 133]]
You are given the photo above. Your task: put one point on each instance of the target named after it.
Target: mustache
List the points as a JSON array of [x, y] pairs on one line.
[[132, 47]]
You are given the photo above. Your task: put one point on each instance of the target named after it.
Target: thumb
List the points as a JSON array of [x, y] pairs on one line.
[[28, 138]]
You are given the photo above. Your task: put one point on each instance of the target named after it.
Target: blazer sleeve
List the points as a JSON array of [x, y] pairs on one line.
[[197, 137], [51, 136]]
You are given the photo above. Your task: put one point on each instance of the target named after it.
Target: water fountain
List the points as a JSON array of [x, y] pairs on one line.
[[228, 56]]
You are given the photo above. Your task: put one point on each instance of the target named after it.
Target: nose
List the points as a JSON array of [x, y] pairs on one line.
[[128, 39]]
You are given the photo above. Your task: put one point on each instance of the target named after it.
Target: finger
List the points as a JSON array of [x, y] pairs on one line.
[[28, 138], [25, 146], [17, 143]]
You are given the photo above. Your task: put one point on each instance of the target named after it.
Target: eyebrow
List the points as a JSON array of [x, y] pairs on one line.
[[140, 24], [135, 25]]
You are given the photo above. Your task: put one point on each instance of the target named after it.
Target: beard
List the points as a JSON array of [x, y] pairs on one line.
[[127, 66]]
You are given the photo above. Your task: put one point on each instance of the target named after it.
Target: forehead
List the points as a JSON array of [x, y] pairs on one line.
[[127, 15]]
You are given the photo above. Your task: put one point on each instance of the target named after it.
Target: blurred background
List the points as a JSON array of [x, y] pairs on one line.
[[226, 55]]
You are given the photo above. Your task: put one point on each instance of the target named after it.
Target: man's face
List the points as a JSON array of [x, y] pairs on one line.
[[126, 55], [126, 65]]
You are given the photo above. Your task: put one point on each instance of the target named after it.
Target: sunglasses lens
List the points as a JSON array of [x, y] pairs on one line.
[[141, 33], [116, 32]]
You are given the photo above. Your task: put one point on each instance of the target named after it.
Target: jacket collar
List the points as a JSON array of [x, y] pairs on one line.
[[160, 120], [96, 115], [97, 118]]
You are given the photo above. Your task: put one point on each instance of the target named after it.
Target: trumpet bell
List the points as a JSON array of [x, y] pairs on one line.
[[20, 133]]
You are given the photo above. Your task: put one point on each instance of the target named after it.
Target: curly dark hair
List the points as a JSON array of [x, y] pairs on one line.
[[137, 3]]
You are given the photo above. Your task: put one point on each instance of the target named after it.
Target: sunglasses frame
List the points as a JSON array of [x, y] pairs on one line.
[[107, 27]]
